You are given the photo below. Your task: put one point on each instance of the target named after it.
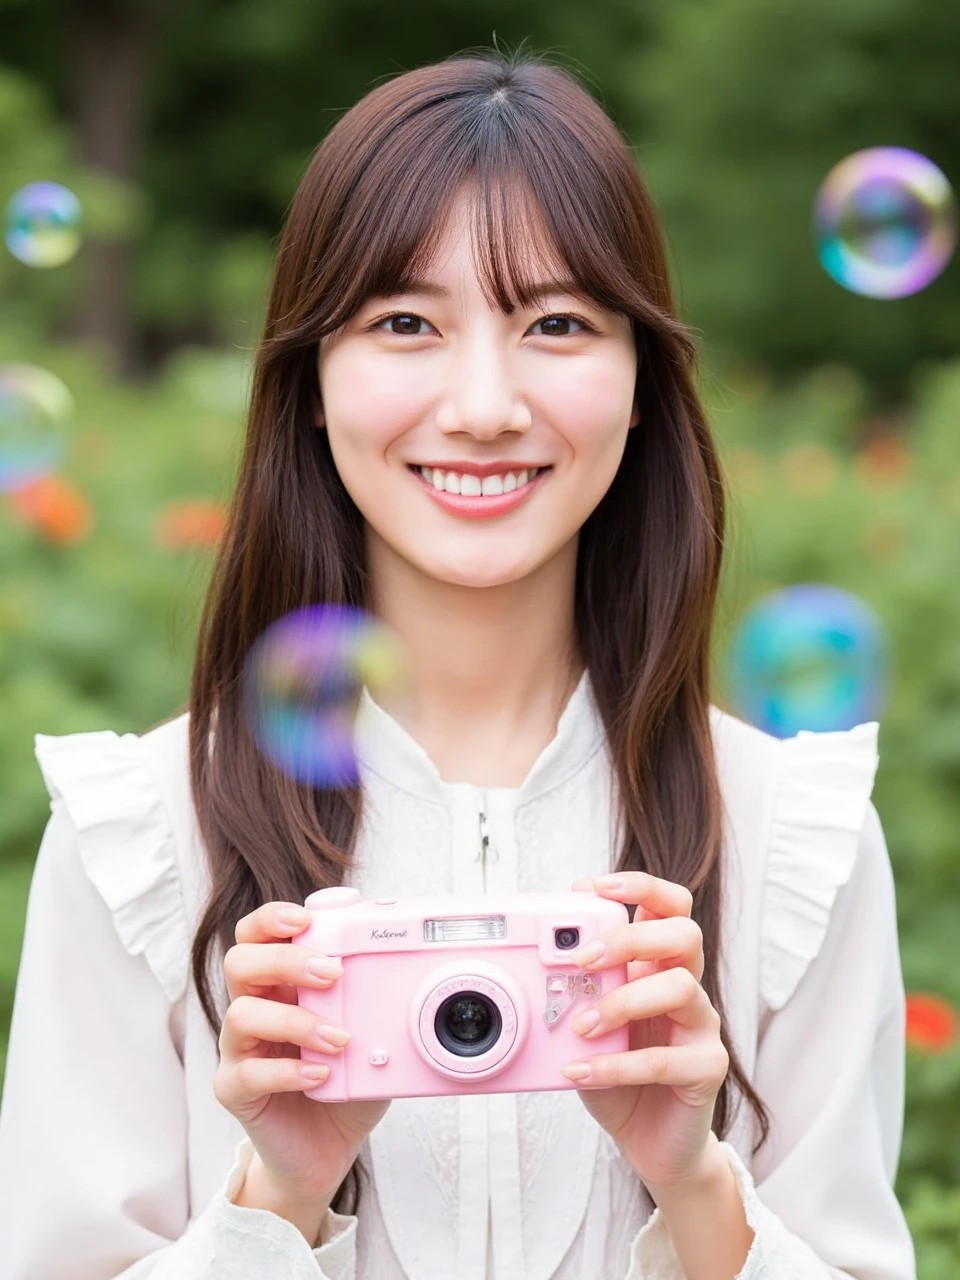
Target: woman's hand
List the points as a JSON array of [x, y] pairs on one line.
[[659, 1106], [306, 1147]]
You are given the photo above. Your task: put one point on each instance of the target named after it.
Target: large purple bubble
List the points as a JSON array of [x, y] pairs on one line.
[[302, 683]]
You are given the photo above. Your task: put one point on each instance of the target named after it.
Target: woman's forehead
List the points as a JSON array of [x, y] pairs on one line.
[[474, 223]]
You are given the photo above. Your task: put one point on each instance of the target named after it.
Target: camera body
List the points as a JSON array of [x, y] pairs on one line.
[[457, 994]]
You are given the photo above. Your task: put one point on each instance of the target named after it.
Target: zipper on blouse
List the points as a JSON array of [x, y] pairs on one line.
[[486, 844]]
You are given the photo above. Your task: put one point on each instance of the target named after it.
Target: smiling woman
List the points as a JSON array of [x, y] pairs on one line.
[[473, 414]]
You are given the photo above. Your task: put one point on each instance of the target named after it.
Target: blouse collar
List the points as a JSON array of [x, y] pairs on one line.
[[385, 748]]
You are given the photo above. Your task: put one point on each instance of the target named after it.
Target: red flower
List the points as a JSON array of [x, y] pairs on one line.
[[931, 1023], [54, 507], [196, 523]]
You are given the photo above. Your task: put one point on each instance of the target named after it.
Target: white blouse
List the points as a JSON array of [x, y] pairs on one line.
[[117, 1160]]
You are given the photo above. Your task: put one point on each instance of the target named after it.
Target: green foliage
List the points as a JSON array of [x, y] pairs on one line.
[[933, 1214], [818, 496], [739, 111], [98, 634]]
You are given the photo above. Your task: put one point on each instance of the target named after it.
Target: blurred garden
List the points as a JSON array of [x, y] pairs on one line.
[[183, 130]]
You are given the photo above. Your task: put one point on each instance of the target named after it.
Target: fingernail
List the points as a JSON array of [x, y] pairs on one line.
[[590, 954], [585, 1022], [292, 919], [335, 1035], [577, 1071], [315, 1071], [609, 882]]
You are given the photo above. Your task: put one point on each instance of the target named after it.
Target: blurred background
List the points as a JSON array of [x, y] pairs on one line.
[[183, 131]]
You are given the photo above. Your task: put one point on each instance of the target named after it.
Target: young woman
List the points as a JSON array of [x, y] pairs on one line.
[[473, 414]]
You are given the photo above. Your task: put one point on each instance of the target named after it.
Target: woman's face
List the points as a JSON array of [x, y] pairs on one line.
[[520, 420]]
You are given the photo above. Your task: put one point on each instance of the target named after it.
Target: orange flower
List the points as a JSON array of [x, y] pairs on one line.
[[931, 1022], [883, 462], [54, 507], [196, 523]]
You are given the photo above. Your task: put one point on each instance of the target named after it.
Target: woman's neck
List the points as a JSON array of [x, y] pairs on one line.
[[491, 668]]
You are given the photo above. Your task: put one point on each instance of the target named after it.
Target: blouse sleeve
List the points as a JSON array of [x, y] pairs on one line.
[[830, 1061], [93, 1123]]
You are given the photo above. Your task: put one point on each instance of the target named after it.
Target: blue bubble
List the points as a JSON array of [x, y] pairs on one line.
[[35, 413], [810, 656], [42, 224]]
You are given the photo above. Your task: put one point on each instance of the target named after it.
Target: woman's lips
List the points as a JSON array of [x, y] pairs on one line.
[[481, 508]]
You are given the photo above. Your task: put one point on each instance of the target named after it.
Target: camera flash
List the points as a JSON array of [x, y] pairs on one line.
[[465, 929]]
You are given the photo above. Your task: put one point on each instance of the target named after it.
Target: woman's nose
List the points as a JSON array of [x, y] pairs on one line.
[[483, 396]]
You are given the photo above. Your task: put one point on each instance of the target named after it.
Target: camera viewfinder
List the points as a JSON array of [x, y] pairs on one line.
[[566, 939]]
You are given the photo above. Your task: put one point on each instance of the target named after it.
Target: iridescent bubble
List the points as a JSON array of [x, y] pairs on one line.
[[809, 656], [42, 224], [886, 222], [302, 681], [35, 410]]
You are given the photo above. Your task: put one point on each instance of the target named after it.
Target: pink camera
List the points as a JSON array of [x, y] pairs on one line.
[[453, 994]]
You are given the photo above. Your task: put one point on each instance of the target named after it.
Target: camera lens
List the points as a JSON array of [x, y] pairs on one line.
[[468, 1024], [567, 939]]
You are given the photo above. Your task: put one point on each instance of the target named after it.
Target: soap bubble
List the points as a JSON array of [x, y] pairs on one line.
[[42, 224], [303, 680], [809, 656], [35, 408], [886, 221]]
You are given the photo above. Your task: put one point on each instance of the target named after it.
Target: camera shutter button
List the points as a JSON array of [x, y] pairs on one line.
[[385, 902]]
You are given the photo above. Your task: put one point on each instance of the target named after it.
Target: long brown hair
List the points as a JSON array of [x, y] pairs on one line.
[[527, 138]]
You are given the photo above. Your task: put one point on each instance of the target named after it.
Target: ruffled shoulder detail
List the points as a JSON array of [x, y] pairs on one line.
[[819, 809], [126, 843]]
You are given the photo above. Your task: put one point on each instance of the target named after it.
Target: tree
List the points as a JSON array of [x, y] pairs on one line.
[[110, 44]]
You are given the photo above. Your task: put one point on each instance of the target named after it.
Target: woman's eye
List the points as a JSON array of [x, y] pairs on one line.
[[564, 321], [408, 329]]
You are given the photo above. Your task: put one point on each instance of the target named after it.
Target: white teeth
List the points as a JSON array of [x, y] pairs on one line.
[[472, 486]]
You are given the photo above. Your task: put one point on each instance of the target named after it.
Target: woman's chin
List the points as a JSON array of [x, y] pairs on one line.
[[476, 576]]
